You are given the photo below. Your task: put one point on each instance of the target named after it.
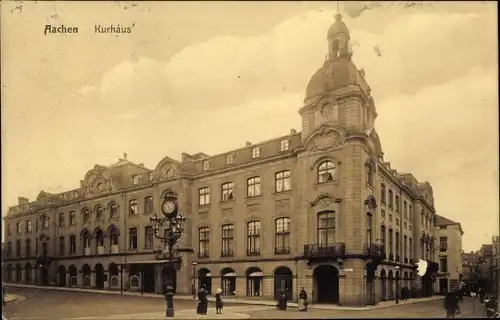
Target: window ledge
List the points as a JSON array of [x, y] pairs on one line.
[[253, 199], [204, 207], [326, 183], [286, 193]]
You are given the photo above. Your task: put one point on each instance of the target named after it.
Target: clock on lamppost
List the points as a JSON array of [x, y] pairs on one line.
[[169, 207]]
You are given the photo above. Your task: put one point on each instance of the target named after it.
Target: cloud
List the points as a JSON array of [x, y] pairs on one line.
[[428, 48]]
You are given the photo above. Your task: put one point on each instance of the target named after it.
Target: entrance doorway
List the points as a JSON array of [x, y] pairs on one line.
[[45, 276], [283, 281], [205, 279], [326, 282], [99, 276], [62, 276], [149, 277], [370, 284]]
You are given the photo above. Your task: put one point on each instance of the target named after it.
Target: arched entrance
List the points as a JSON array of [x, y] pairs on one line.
[[169, 274], [228, 281], [390, 290], [86, 275], [370, 283], [73, 276], [19, 273], [383, 287], [254, 281], [99, 276], [397, 287], [61, 274], [205, 279], [113, 275], [44, 274], [326, 282], [283, 281], [406, 280], [27, 271]]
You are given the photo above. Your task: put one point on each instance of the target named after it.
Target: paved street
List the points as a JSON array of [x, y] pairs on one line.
[[45, 304]]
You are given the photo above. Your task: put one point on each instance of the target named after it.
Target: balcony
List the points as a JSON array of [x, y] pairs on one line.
[[373, 249], [324, 250], [253, 252], [282, 250], [227, 253]]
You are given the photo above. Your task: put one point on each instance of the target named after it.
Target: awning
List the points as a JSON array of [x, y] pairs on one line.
[[206, 275], [229, 274], [256, 274]]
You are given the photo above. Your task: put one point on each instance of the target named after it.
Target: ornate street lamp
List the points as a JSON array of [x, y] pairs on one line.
[[172, 224], [397, 284]]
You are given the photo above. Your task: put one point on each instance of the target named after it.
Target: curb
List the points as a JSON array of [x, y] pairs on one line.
[[230, 300]]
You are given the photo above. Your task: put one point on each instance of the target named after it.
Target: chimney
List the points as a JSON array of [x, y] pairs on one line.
[[141, 164], [293, 131], [22, 200], [81, 183], [248, 143]]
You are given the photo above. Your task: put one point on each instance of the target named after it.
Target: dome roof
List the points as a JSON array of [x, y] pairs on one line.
[[337, 27], [318, 84]]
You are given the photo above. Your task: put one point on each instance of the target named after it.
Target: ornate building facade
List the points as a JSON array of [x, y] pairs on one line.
[[318, 209]]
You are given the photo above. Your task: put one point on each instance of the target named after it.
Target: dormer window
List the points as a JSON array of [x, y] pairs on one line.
[[136, 179], [151, 176], [206, 165], [255, 153], [230, 159], [284, 145]]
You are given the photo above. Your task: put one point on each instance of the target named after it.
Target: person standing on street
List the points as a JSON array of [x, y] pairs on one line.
[[450, 305], [218, 301], [303, 300]]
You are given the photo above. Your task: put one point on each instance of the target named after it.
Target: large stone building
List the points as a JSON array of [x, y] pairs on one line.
[[449, 234], [319, 209]]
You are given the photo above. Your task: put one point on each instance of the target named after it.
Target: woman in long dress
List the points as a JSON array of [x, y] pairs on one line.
[[218, 301], [303, 300]]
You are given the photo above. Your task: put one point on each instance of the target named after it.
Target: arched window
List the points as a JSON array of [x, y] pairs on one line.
[[113, 236], [148, 205], [326, 171], [133, 206], [72, 218], [113, 210], [369, 173], [45, 222], [61, 219], [99, 213], [86, 215], [397, 203]]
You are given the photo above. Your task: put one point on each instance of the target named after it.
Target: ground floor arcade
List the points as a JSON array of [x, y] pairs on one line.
[[350, 283]]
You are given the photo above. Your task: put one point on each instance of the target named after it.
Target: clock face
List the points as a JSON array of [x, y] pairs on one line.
[[168, 207]]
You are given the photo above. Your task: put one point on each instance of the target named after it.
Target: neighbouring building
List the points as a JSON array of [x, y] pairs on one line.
[[449, 237], [319, 209], [470, 266]]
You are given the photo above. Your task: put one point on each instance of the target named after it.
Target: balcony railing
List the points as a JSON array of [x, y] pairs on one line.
[[227, 253], [373, 249], [324, 250], [253, 252], [282, 250]]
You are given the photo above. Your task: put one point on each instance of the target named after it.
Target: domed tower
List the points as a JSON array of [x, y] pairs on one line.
[[337, 93]]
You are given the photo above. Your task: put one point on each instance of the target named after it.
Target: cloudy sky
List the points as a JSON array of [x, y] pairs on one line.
[[206, 77]]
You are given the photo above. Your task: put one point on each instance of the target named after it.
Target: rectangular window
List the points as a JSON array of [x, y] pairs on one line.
[[204, 196], [390, 243], [410, 212], [443, 244], [72, 244], [326, 228], [283, 181], [29, 226], [253, 238], [61, 220], [398, 204], [61, 246], [411, 249], [383, 195], [149, 236], [132, 238], [204, 242], [133, 206], [227, 191], [19, 228], [398, 249], [227, 240], [382, 237], [405, 247], [282, 235], [9, 249], [72, 218], [28, 247], [284, 145], [148, 205], [253, 187], [391, 199], [443, 264], [18, 248], [405, 208], [255, 153], [9, 229]]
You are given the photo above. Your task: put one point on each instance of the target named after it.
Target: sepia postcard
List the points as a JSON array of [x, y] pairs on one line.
[[249, 160]]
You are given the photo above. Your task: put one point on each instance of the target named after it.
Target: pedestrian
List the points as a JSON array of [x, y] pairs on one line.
[[282, 301], [457, 296], [193, 291], [303, 300], [450, 305], [202, 306], [218, 301]]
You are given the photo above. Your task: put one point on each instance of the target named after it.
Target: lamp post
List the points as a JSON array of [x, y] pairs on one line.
[[397, 284], [172, 223], [194, 264]]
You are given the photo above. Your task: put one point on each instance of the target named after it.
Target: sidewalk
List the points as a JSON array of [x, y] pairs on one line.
[[12, 297], [182, 314], [380, 305]]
